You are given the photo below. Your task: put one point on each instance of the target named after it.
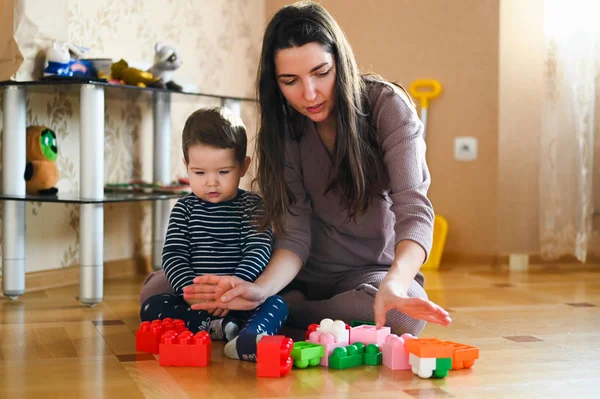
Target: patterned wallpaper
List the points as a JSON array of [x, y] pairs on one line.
[[218, 41]]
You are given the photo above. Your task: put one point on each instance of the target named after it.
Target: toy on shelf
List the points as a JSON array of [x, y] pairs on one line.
[[369, 334], [147, 337], [41, 172], [184, 349], [166, 61], [394, 353], [347, 357], [63, 62], [273, 356], [307, 354], [121, 71]]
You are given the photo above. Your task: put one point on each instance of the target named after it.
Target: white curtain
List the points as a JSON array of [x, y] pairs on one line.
[[569, 175]]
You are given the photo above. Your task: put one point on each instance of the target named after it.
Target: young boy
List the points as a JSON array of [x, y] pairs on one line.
[[214, 231]]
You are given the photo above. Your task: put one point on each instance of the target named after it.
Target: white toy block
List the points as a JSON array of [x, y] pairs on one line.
[[423, 367], [336, 328]]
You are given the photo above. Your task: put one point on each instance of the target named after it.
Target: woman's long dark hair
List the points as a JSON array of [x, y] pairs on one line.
[[354, 167]]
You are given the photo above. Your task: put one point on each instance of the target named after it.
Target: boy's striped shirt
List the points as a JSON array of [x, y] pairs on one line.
[[223, 239]]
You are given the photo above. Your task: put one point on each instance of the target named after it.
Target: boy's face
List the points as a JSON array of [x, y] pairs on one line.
[[214, 172]]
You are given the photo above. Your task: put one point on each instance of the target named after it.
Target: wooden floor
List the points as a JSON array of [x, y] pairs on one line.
[[539, 336]]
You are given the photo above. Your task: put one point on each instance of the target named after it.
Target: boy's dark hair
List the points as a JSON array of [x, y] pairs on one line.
[[216, 127]]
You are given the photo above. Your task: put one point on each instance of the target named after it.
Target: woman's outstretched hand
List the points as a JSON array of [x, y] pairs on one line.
[[391, 296], [224, 292]]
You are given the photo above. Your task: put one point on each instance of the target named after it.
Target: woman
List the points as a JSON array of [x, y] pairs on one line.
[[343, 173]]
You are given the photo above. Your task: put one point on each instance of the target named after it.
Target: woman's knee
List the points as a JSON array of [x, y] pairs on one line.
[[408, 325], [156, 283]]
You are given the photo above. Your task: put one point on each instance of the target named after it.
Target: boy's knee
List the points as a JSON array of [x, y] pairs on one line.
[[156, 283]]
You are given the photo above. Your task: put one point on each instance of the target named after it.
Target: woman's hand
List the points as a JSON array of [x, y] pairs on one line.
[[224, 292], [392, 296]]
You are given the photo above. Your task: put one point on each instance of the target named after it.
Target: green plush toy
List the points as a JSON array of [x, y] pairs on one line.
[[41, 172]]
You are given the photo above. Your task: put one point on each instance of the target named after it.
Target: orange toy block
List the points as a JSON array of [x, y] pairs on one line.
[[429, 348], [463, 356], [274, 356], [185, 349]]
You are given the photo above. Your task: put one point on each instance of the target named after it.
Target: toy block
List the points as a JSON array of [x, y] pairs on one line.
[[346, 357], [372, 355], [307, 354], [147, 337], [184, 349], [422, 366], [273, 356], [311, 328], [368, 334], [328, 342], [339, 329], [463, 356], [356, 323], [429, 357], [394, 353]]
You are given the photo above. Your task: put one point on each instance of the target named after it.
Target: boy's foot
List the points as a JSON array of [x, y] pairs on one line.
[[224, 329], [243, 347]]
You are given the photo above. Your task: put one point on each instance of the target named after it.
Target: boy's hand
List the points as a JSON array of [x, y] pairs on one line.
[[219, 312], [227, 292]]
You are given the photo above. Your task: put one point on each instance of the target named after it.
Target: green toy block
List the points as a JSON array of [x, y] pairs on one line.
[[350, 356], [442, 367], [373, 355], [354, 323], [307, 354]]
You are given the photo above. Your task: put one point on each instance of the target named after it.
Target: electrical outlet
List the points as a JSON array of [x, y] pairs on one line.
[[465, 148]]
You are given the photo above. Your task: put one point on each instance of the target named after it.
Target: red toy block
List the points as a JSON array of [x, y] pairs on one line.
[[185, 349], [274, 356], [147, 337], [311, 328]]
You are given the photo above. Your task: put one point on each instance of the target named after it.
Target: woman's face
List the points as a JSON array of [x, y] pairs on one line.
[[306, 78]]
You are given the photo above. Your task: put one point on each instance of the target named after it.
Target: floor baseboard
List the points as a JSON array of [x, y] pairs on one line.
[[36, 281], [503, 259]]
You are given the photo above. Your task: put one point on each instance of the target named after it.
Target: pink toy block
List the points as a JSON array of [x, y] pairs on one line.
[[328, 342], [368, 334], [395, 355]]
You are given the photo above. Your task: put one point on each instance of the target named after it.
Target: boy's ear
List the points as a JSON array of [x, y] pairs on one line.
[[245, 166]]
